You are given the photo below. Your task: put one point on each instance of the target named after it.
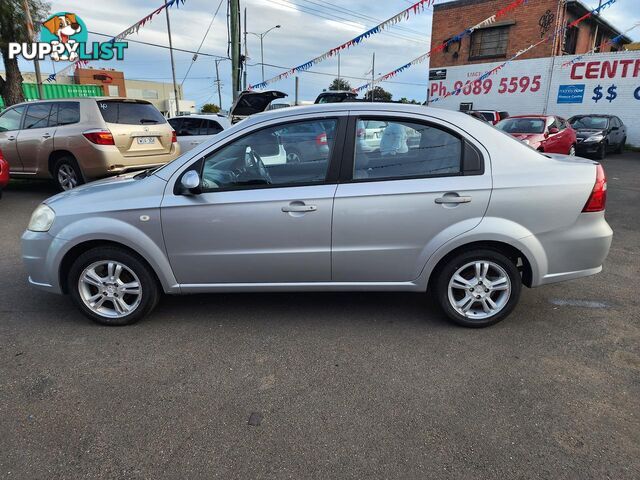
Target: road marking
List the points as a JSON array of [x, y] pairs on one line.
[[578, 303]]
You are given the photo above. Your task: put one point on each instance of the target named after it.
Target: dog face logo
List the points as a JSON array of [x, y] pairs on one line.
[[64, 28]]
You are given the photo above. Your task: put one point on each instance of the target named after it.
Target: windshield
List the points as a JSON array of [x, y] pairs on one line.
[[130, 113], [522, 125], [589, 123]]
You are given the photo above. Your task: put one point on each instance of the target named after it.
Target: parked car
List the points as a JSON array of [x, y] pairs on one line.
[[477, 115], [453, 214], [599, 134], [4, 173], [192, 130], [492, 116], [337, 96], [546, 133], [306, 142], [78, 140], [251, 102]]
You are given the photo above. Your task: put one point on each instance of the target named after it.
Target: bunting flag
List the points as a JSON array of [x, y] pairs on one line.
[[456, 38], [548, 38], [414, 9], [129, 31], [612, 42]]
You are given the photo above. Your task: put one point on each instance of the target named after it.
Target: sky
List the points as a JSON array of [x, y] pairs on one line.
[[308, 29]]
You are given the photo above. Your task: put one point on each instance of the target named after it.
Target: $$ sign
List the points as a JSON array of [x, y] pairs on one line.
[[597, 93], [612, 93]]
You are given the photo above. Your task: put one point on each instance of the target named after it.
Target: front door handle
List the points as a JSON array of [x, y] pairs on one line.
[[46, 135], [452, 199], [11, 139], [299, 208]]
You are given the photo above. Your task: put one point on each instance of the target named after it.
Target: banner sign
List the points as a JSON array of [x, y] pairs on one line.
[[414, 9]]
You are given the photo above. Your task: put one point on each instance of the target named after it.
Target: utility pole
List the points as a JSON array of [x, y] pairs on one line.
[[173, 64], [218, 83], [297, 90], [373, 77], [338, 66], [246, 52], [234, 12], [36, 62]]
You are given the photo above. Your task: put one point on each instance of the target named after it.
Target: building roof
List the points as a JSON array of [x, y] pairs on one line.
[[579, 8]]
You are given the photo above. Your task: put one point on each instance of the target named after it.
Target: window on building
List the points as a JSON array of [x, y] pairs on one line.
[[571, 40], [489, 42]]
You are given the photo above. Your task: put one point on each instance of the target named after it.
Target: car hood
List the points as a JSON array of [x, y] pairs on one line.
[[586, 133], [530, 137], [115, 194]]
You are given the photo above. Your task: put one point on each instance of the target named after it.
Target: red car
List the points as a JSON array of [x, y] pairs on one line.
[[492, 116], [547, 133], [4, 172]]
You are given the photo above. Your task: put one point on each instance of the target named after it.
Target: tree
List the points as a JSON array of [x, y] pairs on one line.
[[411, 102], [340, 84], [13, 28], [210, 108], [379, 95]]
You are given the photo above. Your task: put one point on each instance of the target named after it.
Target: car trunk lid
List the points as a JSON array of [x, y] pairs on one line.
[[138, 128], [250, 103]]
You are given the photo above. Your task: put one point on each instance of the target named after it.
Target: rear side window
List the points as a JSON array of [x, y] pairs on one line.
[[408, 149], [130, 113], [39, 116], [10, 119], [68, 113], [189, 127], [490, 117], [210, 127]]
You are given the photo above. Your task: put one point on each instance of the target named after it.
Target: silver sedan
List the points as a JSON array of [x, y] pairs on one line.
[[445, 204]]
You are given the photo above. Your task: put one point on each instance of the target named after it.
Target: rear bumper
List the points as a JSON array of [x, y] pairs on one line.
[[574, 252], [107, 160]]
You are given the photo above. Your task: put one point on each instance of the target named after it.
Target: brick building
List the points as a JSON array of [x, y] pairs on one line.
[[517, 30]]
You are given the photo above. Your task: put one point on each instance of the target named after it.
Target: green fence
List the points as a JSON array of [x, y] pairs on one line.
[[53, 90]]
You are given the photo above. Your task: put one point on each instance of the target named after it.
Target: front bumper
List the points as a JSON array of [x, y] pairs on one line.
[[42, 269], [588, 148]]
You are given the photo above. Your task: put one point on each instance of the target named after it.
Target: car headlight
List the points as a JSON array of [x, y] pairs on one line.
[[41, 219], [595, 138]]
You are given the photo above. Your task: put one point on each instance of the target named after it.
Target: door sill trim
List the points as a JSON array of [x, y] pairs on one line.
[[301, 287]]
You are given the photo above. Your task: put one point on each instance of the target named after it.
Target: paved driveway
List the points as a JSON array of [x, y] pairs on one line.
[[341, 385]]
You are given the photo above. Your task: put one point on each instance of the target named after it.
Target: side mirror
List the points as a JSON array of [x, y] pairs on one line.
[[190, 181], [553, 131]]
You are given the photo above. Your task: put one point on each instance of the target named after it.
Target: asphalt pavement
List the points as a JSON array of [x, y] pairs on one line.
[[326, 386]]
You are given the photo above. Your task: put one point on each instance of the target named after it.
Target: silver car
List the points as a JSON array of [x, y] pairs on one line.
[[462, 210]]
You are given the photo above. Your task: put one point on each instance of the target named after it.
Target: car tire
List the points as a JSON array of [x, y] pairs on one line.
[[602, 151], [500, 287], [66, 173], [102, 283], [620, 149], [294, 156], [572, 151]]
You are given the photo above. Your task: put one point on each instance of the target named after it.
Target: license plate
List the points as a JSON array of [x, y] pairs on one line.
[[146, 140]]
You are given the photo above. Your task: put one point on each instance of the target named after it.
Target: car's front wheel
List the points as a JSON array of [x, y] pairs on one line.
[[478, 288], [113, 286], [572, 151]]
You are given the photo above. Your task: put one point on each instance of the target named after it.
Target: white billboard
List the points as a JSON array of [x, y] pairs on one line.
[[606, 83]]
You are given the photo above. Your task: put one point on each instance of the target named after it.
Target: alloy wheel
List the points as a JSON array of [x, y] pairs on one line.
[[110, 289], [67, 178], [479, 289], [572, 151], [293, 157]]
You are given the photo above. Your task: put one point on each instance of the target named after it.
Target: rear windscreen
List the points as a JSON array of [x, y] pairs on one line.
[[130, 113]]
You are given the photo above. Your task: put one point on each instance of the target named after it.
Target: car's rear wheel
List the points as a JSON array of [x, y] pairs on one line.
[[294, 156], [67, 173], [113, 286], [478, 288]]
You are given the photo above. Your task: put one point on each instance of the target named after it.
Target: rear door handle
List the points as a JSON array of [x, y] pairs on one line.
[[299, 208], [11, 139], [46, 135], [452, 199]]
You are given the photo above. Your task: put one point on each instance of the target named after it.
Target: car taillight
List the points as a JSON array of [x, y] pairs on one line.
[[598, 198], [174, 137], [99, 137], [321, 139]]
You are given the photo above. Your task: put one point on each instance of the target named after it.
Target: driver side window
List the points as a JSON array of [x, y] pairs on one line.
[[286, 155]]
